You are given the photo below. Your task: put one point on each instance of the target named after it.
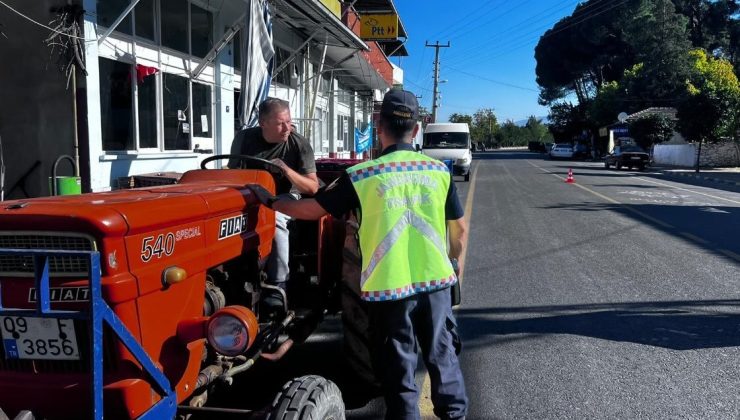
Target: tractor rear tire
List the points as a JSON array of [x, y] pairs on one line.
[[309, 397]]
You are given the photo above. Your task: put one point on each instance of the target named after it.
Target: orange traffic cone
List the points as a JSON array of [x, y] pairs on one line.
[[570, 179]]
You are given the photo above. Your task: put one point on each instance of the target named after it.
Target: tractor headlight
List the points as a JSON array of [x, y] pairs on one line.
[[231, 330]]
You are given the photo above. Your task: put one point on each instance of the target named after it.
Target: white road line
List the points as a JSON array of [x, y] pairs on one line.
[[687, 190]]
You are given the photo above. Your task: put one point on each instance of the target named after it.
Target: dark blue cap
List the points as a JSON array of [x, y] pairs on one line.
[[401, 104]]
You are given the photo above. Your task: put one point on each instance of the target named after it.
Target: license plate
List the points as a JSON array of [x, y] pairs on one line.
[[635, 158], [39, 338]]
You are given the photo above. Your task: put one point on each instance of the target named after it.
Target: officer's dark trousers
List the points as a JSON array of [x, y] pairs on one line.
[[396, 327]]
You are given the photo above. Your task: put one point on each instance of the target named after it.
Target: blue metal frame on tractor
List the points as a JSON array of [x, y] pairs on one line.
[[99, 312]]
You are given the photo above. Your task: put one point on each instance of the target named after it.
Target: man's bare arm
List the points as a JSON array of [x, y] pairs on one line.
[[306, 184], [306, 209], [458, 231]]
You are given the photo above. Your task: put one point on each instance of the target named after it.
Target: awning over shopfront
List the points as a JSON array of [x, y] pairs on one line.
[[346, 53], [313, 19], [353, 70]]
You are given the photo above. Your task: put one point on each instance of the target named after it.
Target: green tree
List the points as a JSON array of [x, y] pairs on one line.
[[711, 110], [710, 23], [609, 102], [536, 131], [484, 126], [659, 38], [461, 118], [655, 128], [511, 134], [583, 51], [567, 121]]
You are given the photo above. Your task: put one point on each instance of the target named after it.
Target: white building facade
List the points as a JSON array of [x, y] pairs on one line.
[[143, 108]]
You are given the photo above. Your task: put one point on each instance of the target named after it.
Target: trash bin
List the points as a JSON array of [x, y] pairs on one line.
[[67, 185], [449, 163]]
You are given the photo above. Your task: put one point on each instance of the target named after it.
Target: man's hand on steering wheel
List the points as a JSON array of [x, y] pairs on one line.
[[280, 164]]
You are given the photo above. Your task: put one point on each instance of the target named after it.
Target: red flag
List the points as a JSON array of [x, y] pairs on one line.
[[144, 71]]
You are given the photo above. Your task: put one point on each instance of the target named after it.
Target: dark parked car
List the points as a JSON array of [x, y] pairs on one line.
[[537, 146], [629, 156]]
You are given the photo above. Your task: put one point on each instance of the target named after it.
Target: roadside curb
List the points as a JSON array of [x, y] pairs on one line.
[[700, 177]]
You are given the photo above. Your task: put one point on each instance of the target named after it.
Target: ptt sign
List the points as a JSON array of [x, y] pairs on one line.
[[379, 27]]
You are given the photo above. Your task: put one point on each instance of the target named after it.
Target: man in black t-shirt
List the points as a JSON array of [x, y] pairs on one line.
[[275, 140]]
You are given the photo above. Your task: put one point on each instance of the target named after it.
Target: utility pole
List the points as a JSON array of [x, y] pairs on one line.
[[436, 47]]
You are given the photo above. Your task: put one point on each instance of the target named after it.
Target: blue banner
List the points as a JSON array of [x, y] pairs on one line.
[[363, 139]]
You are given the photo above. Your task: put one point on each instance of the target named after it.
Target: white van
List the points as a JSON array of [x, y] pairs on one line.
[[449, 141]]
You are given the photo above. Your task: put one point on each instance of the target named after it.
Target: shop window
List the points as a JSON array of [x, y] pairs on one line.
[[175, 111], [343, 96], [145, 18], [237, 48], [201, 31], [288, 76], [116, 105], [343, 133], [147, 105], [202, 111], [237, 96], [317, 133], [175, 24], [109, 10]]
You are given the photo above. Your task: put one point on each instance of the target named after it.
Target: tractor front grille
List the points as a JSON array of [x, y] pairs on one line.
[[22, 266]]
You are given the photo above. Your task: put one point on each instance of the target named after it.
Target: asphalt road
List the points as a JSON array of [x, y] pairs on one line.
[[615, 297]]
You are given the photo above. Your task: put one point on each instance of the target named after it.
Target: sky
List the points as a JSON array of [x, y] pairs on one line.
[[490, 62]]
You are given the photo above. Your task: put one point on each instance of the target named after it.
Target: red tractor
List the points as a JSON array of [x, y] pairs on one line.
[[135, 303]]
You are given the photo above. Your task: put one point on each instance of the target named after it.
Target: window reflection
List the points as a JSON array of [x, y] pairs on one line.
[[175, 112], [116, 105]]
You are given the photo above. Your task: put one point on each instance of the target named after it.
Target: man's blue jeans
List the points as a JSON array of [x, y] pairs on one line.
[[277, 264]]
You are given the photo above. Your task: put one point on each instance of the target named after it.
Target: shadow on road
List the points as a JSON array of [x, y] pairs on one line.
[[686, 221], [508, 155], [684, 325]]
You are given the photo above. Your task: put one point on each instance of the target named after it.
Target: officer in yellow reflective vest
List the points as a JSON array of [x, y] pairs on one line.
[[407, 205]]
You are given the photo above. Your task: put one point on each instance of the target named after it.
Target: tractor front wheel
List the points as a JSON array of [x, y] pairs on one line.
[[309, 397]]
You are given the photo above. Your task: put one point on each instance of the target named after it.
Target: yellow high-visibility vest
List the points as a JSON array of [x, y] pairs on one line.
[[403, 227]]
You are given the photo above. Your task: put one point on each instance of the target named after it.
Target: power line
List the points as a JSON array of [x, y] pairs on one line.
[[520, 41], [585, 19], [477, 76], [520, 25], [596, 8], [466, 23], [418, 85], [488, 22]]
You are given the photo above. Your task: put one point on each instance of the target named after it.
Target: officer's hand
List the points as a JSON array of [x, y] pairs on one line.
[[279, 163], [455, 266], [265, 197]]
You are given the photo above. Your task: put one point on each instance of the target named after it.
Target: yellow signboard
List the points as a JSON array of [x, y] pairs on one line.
[[379, 27], [333, 6]]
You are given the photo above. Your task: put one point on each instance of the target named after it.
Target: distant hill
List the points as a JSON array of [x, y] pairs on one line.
[[543, 120]]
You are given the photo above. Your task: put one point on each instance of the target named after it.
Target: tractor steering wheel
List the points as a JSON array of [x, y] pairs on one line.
[[251, 163]]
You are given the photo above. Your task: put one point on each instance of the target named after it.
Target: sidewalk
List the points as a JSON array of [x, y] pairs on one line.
[[730, 176]]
